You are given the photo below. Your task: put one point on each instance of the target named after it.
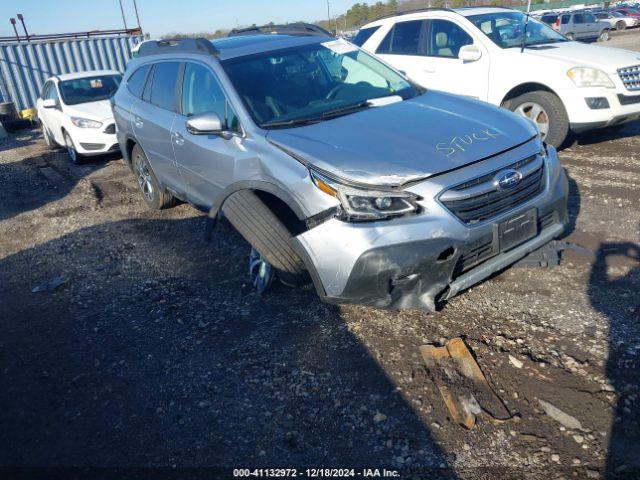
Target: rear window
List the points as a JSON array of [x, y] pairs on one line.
[[549, 19], [135, 83], [163, 87], [403, 39], [363, 35]]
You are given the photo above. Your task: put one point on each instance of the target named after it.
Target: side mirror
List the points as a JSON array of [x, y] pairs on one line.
[[49, 103], [205, 123], [469, 53]]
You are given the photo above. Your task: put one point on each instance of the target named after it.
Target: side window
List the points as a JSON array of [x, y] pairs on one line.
[[53, 92], [363, 35], [589, 18], [565, 19], [163, 85], [578, 18], [403, 39], [602, 16], [201, 92], [445, 39], [135, 82]]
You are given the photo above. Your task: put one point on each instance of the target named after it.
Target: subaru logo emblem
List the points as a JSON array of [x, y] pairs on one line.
[[508, 179]]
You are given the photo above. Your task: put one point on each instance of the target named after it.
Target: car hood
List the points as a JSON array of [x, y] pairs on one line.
[[582, 54], [100, 110], [394, 144]]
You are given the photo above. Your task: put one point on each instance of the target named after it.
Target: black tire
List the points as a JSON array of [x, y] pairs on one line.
[[621, 25], [552, 105], [48, 139], [74, 156], [604, 36], [267, 234], [153, 194]]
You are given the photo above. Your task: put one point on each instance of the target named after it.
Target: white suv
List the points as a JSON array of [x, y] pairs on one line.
[[75, 112], [557, 83]]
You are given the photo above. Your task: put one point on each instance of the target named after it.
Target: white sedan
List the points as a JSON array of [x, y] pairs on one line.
[[75, 112]]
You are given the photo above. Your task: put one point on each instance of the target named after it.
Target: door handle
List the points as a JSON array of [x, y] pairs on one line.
[[138, 122], [178, 139]]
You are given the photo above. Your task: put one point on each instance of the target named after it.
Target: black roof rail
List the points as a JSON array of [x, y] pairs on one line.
[[298, 28], [177, 45]]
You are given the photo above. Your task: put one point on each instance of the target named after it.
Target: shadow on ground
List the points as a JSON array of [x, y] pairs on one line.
[[155, 352], [613, 283], [591, 137]]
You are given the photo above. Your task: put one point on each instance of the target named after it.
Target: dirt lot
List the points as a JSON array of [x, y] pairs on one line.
[[126, 340]]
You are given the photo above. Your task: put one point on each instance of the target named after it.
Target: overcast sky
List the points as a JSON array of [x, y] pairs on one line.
[[159, 17]]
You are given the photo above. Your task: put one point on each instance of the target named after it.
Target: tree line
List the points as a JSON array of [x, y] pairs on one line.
[[362, 13]]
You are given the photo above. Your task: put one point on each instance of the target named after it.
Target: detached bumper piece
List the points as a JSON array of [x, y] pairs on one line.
[[461, 383]]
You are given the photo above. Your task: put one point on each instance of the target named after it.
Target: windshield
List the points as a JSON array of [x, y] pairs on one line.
[[89, 89], [506, 29], [312, 83]]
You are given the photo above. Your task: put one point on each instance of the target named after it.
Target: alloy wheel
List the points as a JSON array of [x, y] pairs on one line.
[[144, 178], [535, 112]]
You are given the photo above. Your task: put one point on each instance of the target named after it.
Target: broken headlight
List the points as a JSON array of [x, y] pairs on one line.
[[364, 204]]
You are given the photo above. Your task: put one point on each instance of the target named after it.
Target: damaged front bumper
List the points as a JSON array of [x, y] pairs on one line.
[[415, 261]]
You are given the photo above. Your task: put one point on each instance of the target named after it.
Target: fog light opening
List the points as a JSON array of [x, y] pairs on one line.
[[446, 254]]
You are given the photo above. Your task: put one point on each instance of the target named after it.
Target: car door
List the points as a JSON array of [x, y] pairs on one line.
[[580, 27], [443, 39], [591, 25], [206, 162], [153, 118], [427, 51], [52, 116]]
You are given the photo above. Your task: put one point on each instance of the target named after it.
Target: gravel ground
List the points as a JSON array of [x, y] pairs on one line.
[[127, 340]]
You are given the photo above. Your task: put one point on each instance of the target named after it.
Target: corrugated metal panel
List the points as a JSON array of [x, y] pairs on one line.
[[24, 67]]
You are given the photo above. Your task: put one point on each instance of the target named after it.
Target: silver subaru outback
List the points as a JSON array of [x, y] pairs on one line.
[[336, 168]]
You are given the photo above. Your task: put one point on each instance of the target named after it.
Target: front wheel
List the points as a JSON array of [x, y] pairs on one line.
[[547, 112], [154, 195], [604, 36], [75, 157], [570, 36]]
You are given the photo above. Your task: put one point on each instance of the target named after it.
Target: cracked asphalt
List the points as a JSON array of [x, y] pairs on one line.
[[128, 341]]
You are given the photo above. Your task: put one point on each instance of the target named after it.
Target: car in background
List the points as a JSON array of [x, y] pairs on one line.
[[335, 168], [579, 25], [629, 12], [75, 112], [616, 20], [483, 52]]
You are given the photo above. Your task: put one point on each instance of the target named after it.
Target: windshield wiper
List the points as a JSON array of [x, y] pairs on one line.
[[292, 123], [337, 112]]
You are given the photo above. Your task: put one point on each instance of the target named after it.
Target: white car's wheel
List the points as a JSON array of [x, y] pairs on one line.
[[621, 25], [75, 157], [547, 112]]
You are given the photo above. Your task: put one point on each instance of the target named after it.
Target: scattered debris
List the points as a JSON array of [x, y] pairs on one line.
[[515, 362], [561, 417], [462, 384], [50, 285], [379, 417]]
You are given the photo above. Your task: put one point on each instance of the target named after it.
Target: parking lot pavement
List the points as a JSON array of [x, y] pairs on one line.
[[629, 39], [127, 340]]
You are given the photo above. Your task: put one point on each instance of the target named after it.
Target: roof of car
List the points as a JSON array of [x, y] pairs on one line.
[[232, 47], [90, 73], [467, 11]]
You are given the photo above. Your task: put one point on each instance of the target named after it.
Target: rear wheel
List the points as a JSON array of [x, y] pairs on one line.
[[604, 36], [546, 110], [267, 235], [74, 156], [154, 195], [621, 25], [48, 139]]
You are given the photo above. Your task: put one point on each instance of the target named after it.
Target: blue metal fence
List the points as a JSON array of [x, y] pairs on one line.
[[24, 67]]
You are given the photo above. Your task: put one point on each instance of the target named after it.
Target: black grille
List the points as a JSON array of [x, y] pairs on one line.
[[479, 199], [628, 100], [92, 146], [630, 77], [110, 129], [481, 251]]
